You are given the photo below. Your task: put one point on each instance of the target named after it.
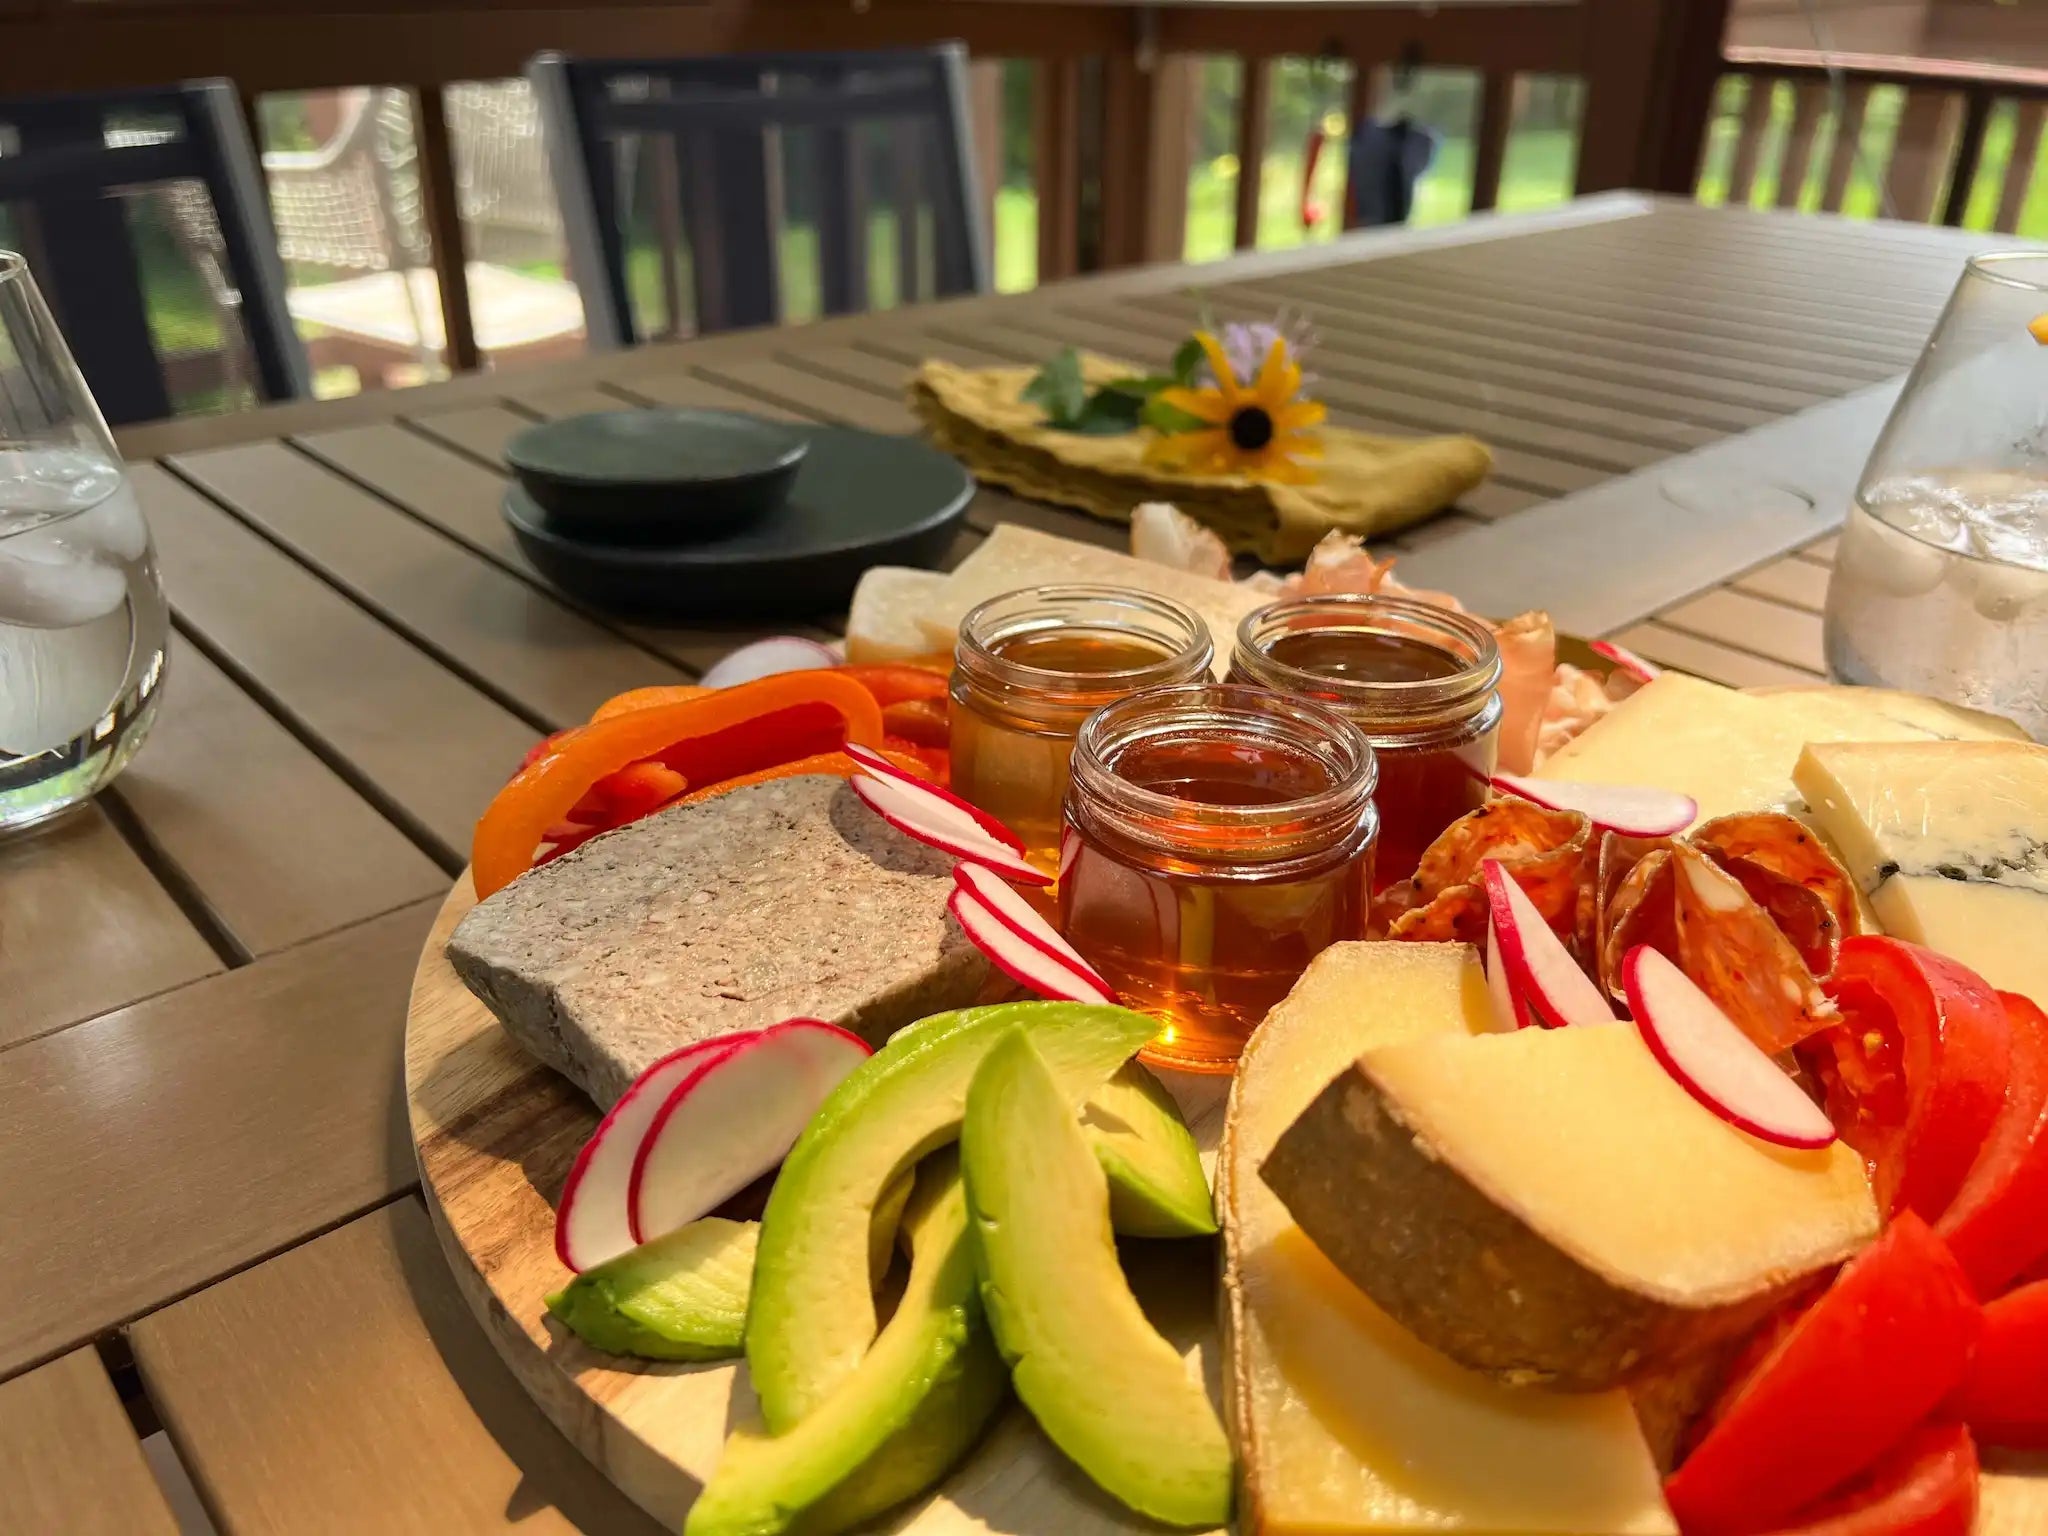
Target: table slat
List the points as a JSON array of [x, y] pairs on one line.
[[344, 1387], [70, 1461], [1794, 582], [152, 1150], [1709, 659], [1788, 635], [481, 431]]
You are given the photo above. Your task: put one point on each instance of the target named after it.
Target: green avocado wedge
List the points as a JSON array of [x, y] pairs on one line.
[[682, 1296], [811, 1316], [1104, 1386], [1156, 1184], [916, 1402]]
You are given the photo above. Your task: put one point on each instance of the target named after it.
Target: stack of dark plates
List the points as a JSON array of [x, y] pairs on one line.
[[683, 514]]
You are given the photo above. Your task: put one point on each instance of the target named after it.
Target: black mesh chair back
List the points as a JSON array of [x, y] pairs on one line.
[[706, 194], [142, 217]]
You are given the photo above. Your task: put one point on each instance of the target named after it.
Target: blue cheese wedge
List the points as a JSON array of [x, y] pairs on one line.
[[1949, 840]]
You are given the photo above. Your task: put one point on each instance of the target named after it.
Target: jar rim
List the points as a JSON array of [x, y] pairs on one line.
[[1468, 640], [1208, 708], [1187, 649]]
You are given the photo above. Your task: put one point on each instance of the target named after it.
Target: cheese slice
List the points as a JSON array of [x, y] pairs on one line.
[[882, 621], [1938, 718], [1015, 557], [1734, 751], [1949, 840], [1345, 1422]]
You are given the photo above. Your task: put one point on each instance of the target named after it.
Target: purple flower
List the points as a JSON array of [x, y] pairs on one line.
[[1246, 344]]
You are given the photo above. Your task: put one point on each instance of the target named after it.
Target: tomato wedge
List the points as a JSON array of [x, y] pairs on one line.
[[1927, 1486], [1915, 1073], [2004, 1399], [1859, 1368], [1997, 1224]]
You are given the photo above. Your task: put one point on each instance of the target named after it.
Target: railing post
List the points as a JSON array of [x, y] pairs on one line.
[[1056, 165], [2019, 170], [1749, 137], [443, 212], [1649, 68], [1919, 154], [1809, 105], [1969, 150], [1147, 122], [985, 101], [1252, 99], [1490, 136]]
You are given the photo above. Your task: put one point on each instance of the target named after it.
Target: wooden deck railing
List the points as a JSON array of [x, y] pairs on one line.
[[1934, 165], [1111, 99]]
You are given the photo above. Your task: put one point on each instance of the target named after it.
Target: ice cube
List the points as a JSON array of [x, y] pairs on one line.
[[114, 528], [46, 583], [1887, 560], [2003, 593], [55, 683]]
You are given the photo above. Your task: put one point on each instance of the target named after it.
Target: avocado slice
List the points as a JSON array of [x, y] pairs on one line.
[[1156, 1184], [812, 1313], [854, 1455], [682, 1296], [1102, 1383]]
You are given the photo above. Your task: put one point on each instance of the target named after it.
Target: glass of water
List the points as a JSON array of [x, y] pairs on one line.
[[1941, 579], [82, 619]]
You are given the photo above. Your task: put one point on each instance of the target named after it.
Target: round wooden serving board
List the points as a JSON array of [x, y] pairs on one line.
[[496, 1132]]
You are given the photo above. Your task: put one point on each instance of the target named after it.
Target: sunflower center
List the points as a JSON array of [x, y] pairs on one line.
[[1251, 428]]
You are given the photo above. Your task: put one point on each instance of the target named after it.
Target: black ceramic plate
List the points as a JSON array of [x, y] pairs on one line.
[[860, 499], [660, 477]]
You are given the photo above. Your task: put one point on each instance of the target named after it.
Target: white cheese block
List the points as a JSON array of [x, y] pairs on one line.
[[1014, 557], [882, 621], [1734, 751], [1949, 840], [1949, 722], [1345, 1422]]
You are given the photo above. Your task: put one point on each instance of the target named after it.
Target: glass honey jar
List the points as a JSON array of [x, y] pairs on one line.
[[1218, 838], [1030, 666], [1421, 682]]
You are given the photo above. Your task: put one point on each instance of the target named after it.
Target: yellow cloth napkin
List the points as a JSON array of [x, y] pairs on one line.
[[1367, 485]]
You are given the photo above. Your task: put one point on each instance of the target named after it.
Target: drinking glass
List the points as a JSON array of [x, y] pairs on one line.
[[1941, 578], [82, 619]]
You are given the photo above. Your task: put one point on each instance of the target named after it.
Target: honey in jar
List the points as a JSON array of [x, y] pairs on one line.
[[1421, 683], [1030, 666], [1218, 838]]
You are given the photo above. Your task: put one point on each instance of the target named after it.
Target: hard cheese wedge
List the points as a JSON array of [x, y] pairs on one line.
[[1734, 751], [1344, 1421], [1949, 840], [1551, 1206]]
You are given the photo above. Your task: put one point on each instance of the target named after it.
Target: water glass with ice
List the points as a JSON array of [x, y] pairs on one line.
[[1941, 579], [82, 618]]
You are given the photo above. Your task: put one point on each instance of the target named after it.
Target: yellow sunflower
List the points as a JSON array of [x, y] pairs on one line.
[[1261, 429]]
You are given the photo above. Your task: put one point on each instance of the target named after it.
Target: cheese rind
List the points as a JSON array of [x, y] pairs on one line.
[[1949, 840], [1551, 1206], [1347, 1424]]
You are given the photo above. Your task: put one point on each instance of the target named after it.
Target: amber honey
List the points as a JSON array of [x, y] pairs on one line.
[[1421, 683], [1030, 667], [1217, 840]]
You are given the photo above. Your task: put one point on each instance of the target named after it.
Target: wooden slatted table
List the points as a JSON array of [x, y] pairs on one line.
[[210, 1218]]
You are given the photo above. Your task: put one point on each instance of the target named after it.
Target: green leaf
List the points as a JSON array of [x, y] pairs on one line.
[[1187, 362], [1107, 413], [1058, 389], [1161, 417], [1140, 386]]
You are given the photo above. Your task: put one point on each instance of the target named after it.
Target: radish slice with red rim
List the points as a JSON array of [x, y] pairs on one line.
[[1026, 963], [1626, 659], [878, 764], [765, 658], [1022, 919], [1541, 975], [1633, 810], [593, 1221], [1713, 1060], [938, 825], [1509, 1011]]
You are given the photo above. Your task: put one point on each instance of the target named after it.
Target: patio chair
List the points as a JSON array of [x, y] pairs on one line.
[[692, 190], [142, 216]]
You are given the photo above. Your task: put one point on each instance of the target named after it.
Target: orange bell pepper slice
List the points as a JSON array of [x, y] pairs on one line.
[[822, 762], [542, 793], [648, 698], [923, 721], [893, 683]]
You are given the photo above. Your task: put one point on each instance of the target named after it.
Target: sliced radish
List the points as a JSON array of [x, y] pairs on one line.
[[1024, 962], [879, 764], [1510, 1012], [1626, 659], [1022, 919], [765, 658], [933, 822], [1539, 970], [1713, 1060], [593, 1221], [1633, 810], [1070, 849], [722, 1128]]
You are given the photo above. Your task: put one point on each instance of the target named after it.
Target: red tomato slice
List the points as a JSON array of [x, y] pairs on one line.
[[1915, 1072], [1859, 1368], [2004, 1398], [1927, 1486], [1997, 1224]]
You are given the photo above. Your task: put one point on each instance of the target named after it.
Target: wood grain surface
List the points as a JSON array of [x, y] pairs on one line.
[[70, 1460]]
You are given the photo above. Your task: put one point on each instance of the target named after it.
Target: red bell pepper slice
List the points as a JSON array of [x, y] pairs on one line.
[[1997, 1225], [2004, 1398], [923, 721], [1915, 1073], [1867, 1361], [1927, 1486], [894, 682]]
